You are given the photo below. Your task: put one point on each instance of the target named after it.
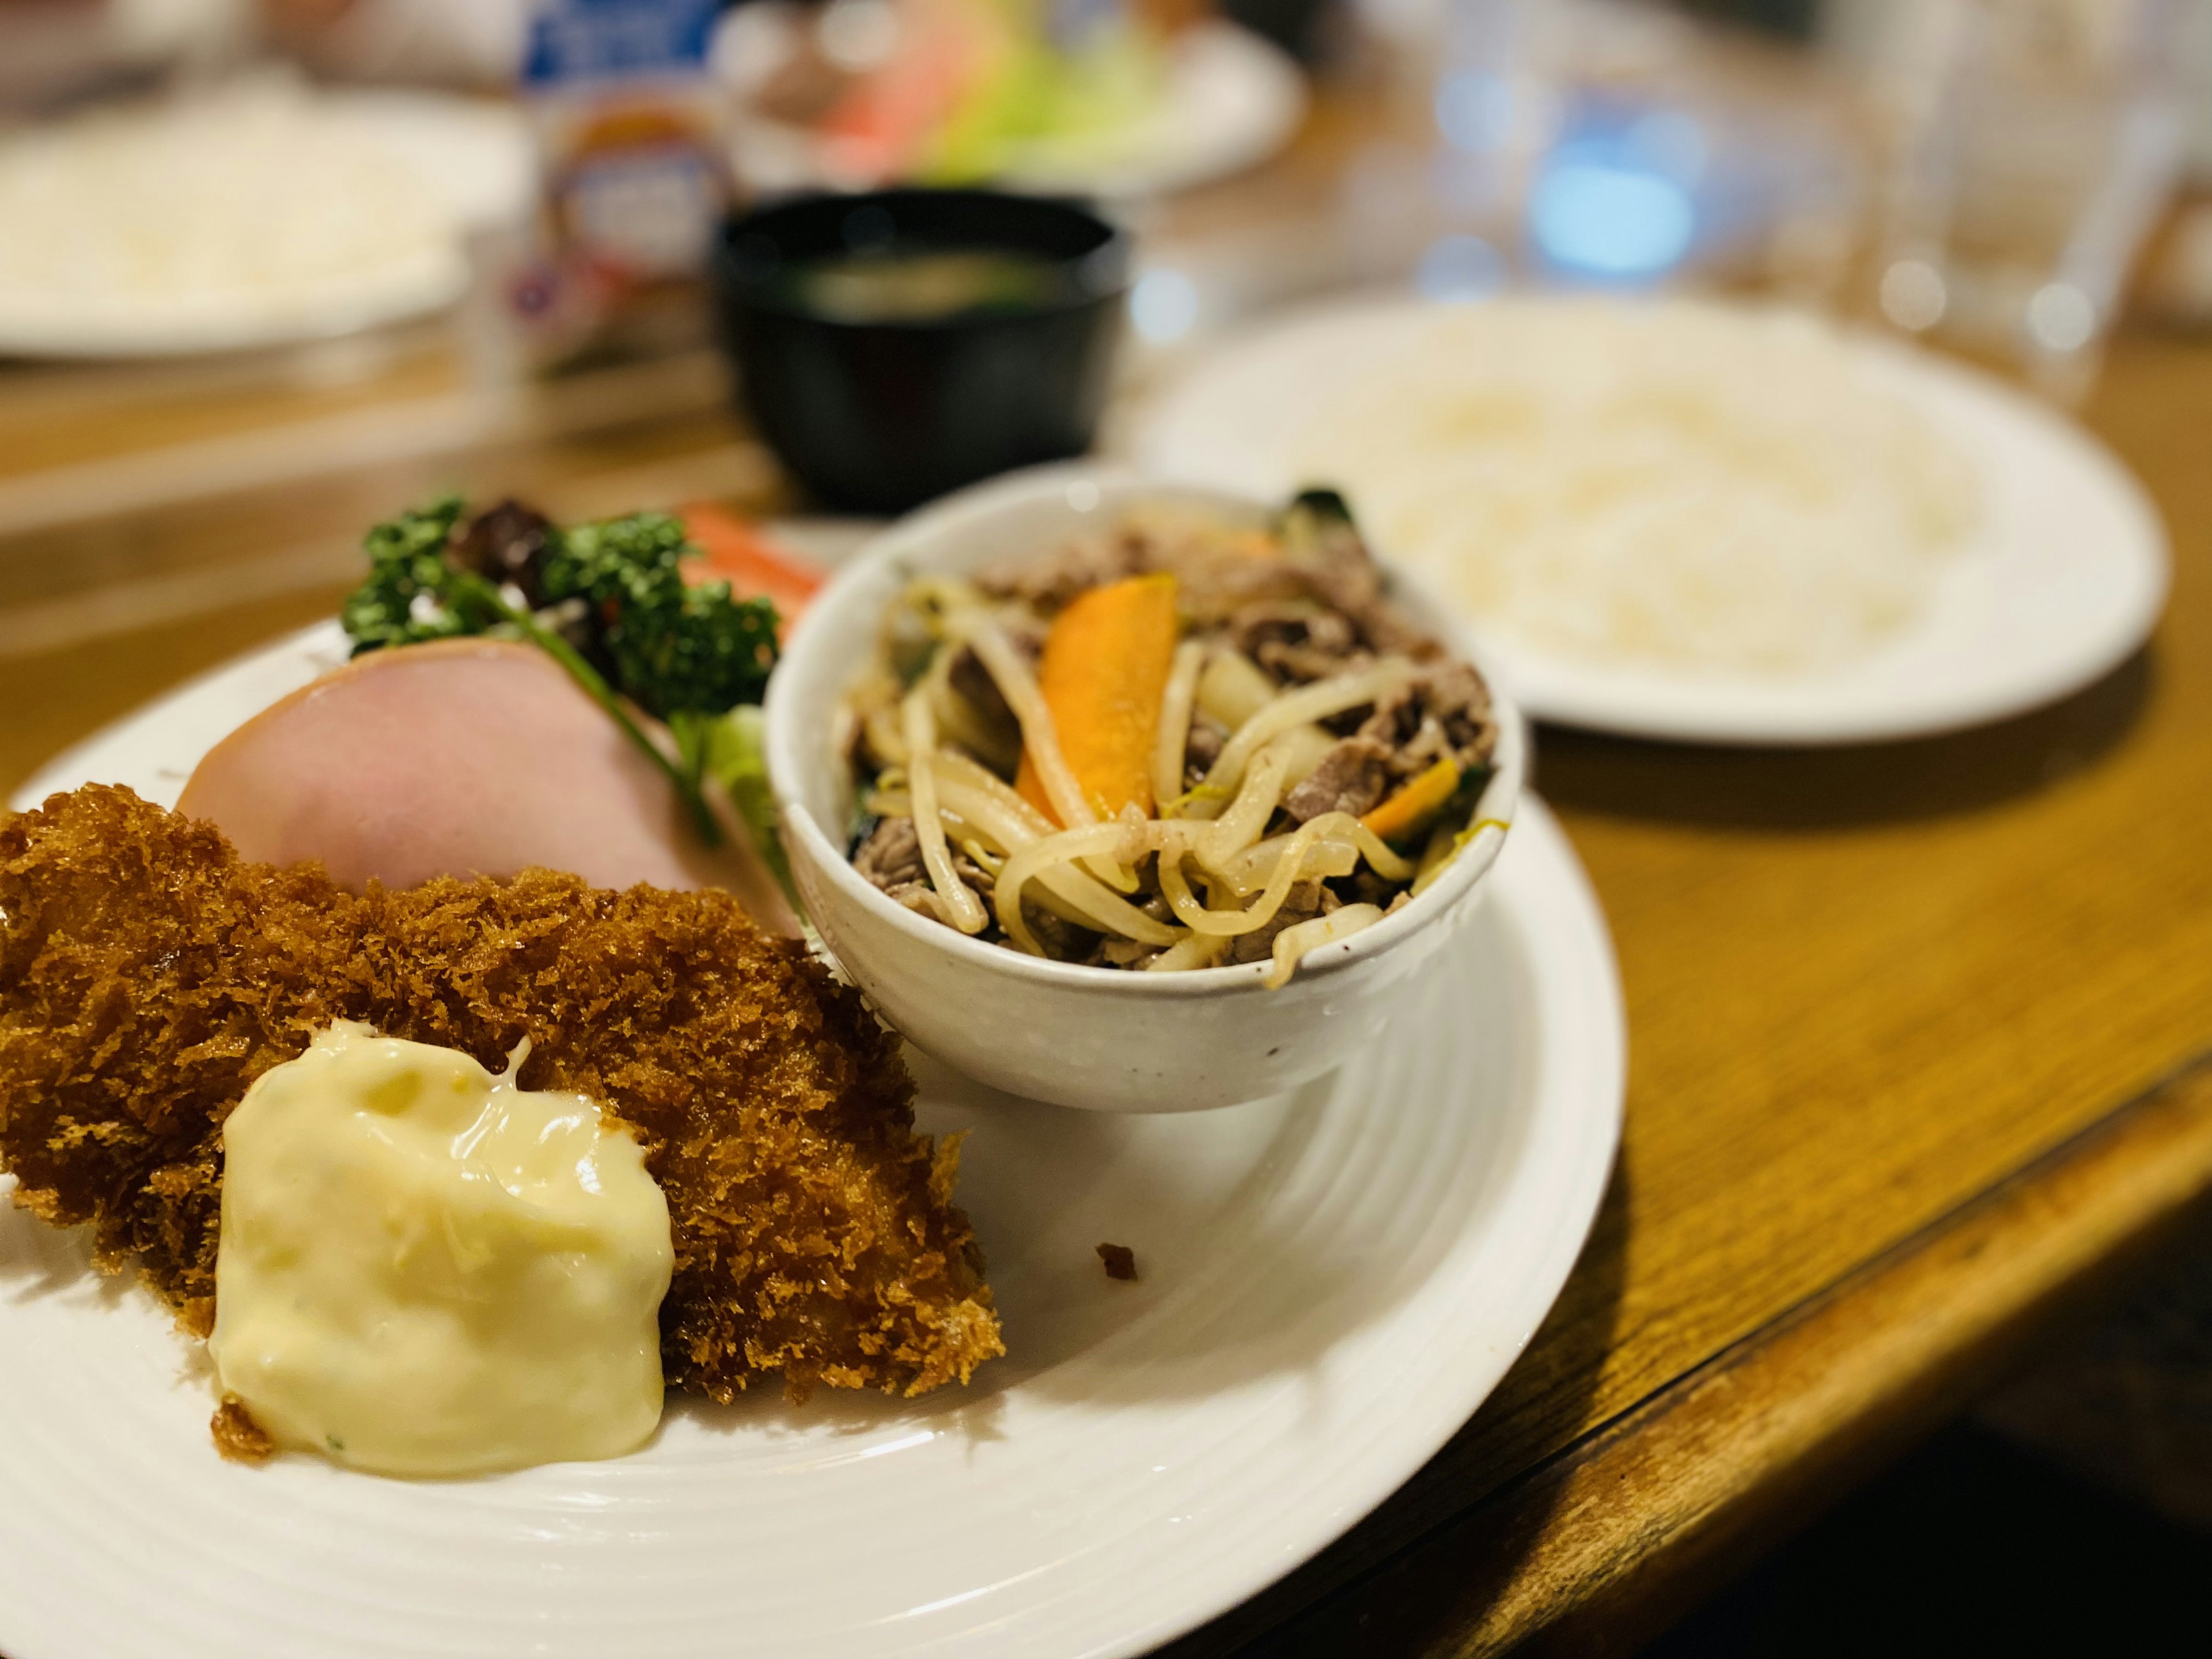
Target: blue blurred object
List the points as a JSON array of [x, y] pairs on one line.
[[1616, 199], [1474, 109], [576, 40], [1164, 305], [1601, 145], [1599, 218]]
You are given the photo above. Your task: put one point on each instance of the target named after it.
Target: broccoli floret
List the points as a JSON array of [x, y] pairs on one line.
[[685, 654]]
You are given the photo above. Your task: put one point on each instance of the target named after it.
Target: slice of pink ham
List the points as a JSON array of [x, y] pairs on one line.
[[463, 757]]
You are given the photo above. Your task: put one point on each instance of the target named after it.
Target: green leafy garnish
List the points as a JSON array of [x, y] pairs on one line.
[[611, 607], [672, 648], [413, 594], [737, 759]]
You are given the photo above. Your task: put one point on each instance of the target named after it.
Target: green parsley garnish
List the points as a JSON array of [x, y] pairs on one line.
[[606, 601]]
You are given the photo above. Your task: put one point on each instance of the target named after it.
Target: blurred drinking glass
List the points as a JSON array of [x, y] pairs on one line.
[[2042, 140]]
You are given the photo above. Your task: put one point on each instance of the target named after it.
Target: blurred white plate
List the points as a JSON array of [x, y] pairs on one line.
[[1232, 99], [473, 162], [478, 155], [1331, 1281], [2064, 577], [80, 325]]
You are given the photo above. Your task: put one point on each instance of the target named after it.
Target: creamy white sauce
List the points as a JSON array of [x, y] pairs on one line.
[[425, 1270]]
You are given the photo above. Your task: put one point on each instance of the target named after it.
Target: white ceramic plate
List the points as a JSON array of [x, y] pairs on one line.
[[477, 160], [2065, 576], [1332, 1281], [49, 325], [1231, 101]]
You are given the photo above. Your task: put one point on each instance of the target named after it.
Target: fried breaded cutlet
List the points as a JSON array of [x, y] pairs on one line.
[[147, 975]]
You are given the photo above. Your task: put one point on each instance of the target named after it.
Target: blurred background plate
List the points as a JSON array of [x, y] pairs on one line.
[[2061, 574], [60, 326], [1224, 100], [1230, 101], [252, 214]]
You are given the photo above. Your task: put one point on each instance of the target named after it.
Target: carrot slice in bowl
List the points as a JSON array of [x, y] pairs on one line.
[[1103, 675]]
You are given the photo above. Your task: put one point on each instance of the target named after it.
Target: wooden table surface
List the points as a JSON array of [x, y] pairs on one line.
[[1917, 1030]]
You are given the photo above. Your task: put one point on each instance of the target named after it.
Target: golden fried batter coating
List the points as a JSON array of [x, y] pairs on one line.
[[147, 975]]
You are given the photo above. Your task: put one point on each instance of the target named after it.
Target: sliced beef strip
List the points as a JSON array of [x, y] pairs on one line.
[[1063, 941], [1290, 621], [1212, 583], [1444, 711], [890, 860], [1381, 627], [980, 880], [1351, 778], [1203, 746], [1340, 573], [918, 896], [1113, 952], [891, 856], [1301, 665], [1307, 900], [1364, 886], [967, 677], [1049, 583], [1296, 640]]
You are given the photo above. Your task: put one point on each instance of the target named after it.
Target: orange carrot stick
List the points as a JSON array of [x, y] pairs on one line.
[[738, 551], [1419, 799], [1104, 675]]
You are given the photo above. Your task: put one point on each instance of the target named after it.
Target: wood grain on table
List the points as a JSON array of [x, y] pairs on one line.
[[1911, 1026]]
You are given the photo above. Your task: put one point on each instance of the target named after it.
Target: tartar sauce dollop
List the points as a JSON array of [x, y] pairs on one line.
[[427, 1270]]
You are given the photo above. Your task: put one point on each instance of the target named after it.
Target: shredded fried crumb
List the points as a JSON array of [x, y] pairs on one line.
[[1121, 1261], [237, 1436], [147, 975]]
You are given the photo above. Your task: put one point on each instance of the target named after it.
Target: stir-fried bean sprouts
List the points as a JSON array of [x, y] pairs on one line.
[[1093, 839], [1191, 950], [1247, 818], [1292, 944], [1316, 702], [1434, 867], [955, 767], [1249, 871], [1234, 688], [1289, 870], [1172, 740], [885, 738], [1004, 818], [1372, 848], [960, 905], [957, 720], [1269, 663], [1039, 738]]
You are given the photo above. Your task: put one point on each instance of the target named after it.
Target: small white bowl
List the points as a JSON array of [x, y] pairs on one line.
[[1104, 1039]]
